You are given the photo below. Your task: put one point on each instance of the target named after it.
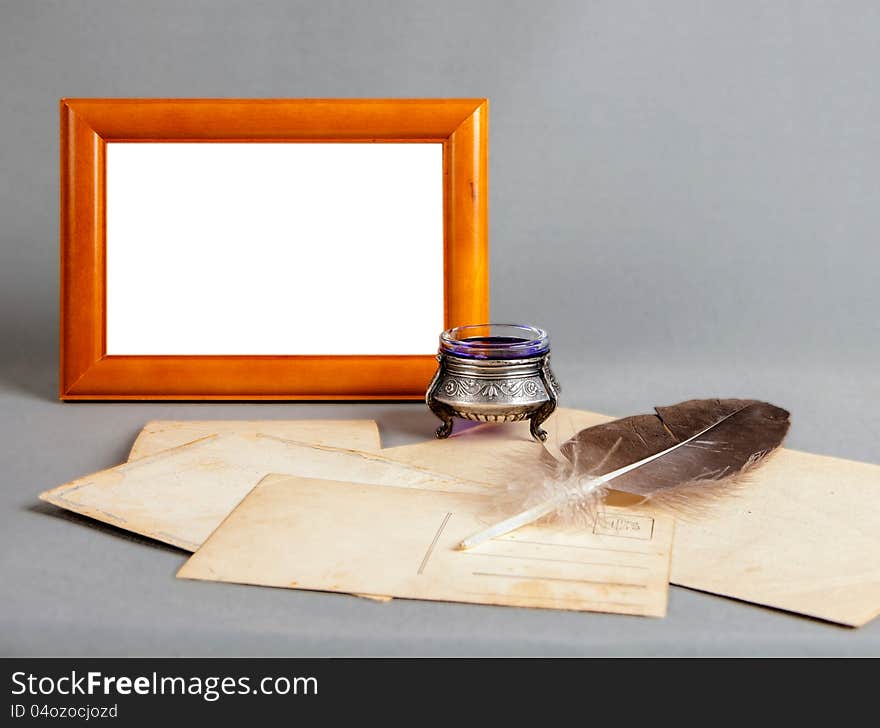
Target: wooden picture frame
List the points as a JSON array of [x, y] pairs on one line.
[[87, 372]]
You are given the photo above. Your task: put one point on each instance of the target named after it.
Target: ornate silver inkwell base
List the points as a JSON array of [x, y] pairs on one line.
[[493, 373]]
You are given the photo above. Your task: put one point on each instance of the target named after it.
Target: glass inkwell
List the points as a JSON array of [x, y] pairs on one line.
[[493, 373]]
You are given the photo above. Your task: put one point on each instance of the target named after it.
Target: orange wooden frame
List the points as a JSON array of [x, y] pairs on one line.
[[88, 373]]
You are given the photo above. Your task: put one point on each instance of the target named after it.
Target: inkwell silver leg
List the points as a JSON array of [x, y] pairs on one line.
[[540, 415], [442, 411], [445, 414]]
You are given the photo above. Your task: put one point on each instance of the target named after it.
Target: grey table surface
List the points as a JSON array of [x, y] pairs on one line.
[[74, 587], [686, 194]]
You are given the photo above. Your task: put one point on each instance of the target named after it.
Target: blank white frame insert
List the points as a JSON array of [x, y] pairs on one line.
[[274, 248]]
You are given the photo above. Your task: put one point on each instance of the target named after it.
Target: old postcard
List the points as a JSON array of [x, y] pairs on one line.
[[180, 495], [158, 435], [346, 537], [799, 535], [496, 453]]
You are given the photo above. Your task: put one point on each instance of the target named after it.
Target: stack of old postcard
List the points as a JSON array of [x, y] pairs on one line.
[[318, 505]]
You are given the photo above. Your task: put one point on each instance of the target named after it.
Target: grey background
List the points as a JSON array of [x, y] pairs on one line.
[[686, 193]]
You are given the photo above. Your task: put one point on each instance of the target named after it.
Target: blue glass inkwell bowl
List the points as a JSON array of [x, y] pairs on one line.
[[493, 373]]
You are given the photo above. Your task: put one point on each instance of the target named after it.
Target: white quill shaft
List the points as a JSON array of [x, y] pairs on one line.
[[531, 515], [584, 488]]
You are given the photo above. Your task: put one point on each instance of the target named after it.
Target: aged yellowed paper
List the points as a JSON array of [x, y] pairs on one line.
[[158, 435], [180, 495], [497, 453], [801, 534], [333, 536]]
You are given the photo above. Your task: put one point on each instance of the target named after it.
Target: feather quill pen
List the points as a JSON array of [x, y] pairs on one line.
[[687, 450]]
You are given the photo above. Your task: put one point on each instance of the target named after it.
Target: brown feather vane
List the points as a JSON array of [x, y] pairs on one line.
[[681, 452]]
